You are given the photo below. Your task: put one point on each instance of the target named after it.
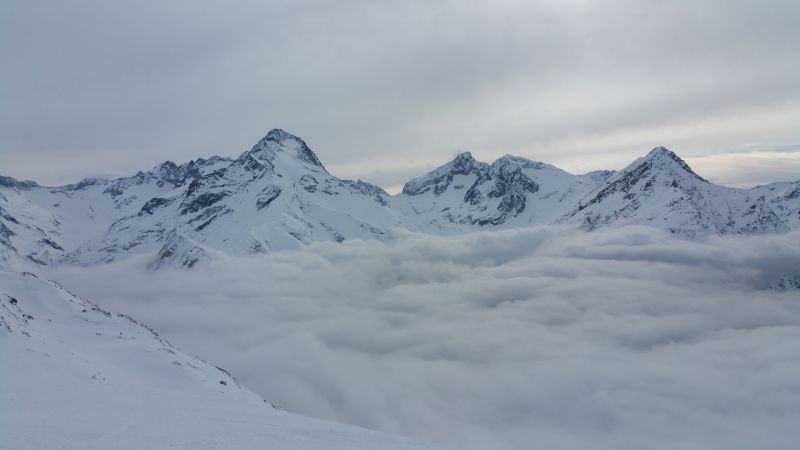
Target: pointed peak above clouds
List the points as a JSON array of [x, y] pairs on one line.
[[662, 159], [279, 135], [281, 141]]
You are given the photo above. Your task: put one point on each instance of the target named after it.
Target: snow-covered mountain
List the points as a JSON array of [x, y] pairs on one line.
[[278, 195], [43, 224], [510, 192], [76, 376], [658, 190], [661, 190]]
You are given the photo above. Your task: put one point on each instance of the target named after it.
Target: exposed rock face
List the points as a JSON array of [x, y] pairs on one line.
[[787, 282], [179, 251], [277, 141], [153, 203], [267, 196], [512, 191], [503, 180], [440, 179]]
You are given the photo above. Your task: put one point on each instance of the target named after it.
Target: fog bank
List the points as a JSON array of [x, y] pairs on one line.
[[545, 337]]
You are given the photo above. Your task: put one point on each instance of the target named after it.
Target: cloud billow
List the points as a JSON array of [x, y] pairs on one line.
[[546, 337]]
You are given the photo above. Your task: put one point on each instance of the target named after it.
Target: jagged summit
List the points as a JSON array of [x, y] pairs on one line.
[[464, 164], [441, 177], [463, 157], [277, 134], [281, 141], [660, 189], [662, 158], [660, 150], [522, 163], [507, 160], [14, 183], [165, 172]]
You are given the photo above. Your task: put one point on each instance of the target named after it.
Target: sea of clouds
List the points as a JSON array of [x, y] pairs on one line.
[[547, 337]]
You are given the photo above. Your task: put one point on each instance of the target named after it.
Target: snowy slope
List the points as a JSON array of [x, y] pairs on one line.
[[275, 196], [45, 223], [658, 190], [510, 192], [75, 376], [278, 195], [661, 190]]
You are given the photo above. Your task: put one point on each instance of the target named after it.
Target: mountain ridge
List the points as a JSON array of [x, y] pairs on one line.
[[278, 195]]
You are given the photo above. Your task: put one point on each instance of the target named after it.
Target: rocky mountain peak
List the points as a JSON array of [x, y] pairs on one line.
[[278, 141], [663, 159], [440, 178], [169, 171], [511, 163], [279, 135], [14, 183], [463, 158]]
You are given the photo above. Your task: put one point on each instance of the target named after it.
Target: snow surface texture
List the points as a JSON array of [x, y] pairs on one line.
[[75, 376], [542, 337], [278, 195]]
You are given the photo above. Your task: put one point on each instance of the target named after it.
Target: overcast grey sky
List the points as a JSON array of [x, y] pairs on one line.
[[384, 90]]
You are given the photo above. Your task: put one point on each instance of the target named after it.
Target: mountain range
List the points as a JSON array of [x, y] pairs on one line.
[[278, 195]]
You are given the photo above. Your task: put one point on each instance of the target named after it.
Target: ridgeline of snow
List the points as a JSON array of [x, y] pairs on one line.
[[278, 195]]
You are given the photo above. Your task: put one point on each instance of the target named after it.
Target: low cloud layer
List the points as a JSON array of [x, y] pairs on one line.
[[539, 338]]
